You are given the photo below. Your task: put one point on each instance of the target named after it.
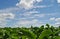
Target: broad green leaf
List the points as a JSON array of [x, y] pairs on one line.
[[45, 33]]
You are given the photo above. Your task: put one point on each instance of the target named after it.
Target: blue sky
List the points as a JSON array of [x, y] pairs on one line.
[[24, 13]]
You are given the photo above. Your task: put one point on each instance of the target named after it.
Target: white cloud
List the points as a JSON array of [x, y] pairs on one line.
[[29, 14], [32, 14], [8, 10], [58, 1], [3, 23], [6, 15], [27, 4], [58, 23], [52, 19], [39, 15], [57, 19], [3, 17], [38, 0], [28, 23], [42, 6], [25, 22]]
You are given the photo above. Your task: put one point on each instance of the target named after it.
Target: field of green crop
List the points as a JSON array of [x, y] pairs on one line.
[[48, 32]]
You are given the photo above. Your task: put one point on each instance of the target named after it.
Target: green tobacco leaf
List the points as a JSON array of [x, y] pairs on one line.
[[28, 33], [45, 34], [57, 37]]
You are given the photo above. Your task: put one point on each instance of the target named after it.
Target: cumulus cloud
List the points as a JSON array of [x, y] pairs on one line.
[[57, 21], [27, 14], [3, 17], [39, 15], [6, 15], [31, 15], [28, 23], [58, 1], [42, 6], [27, 4], [8, 10], [52, 19], [34, 14], [38, 0]]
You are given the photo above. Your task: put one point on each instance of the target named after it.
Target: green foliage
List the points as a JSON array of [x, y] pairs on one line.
[[45, 34], [42, 32], [27, 33]]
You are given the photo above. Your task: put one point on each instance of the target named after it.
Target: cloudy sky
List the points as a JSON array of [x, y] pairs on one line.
[[18, 13]]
